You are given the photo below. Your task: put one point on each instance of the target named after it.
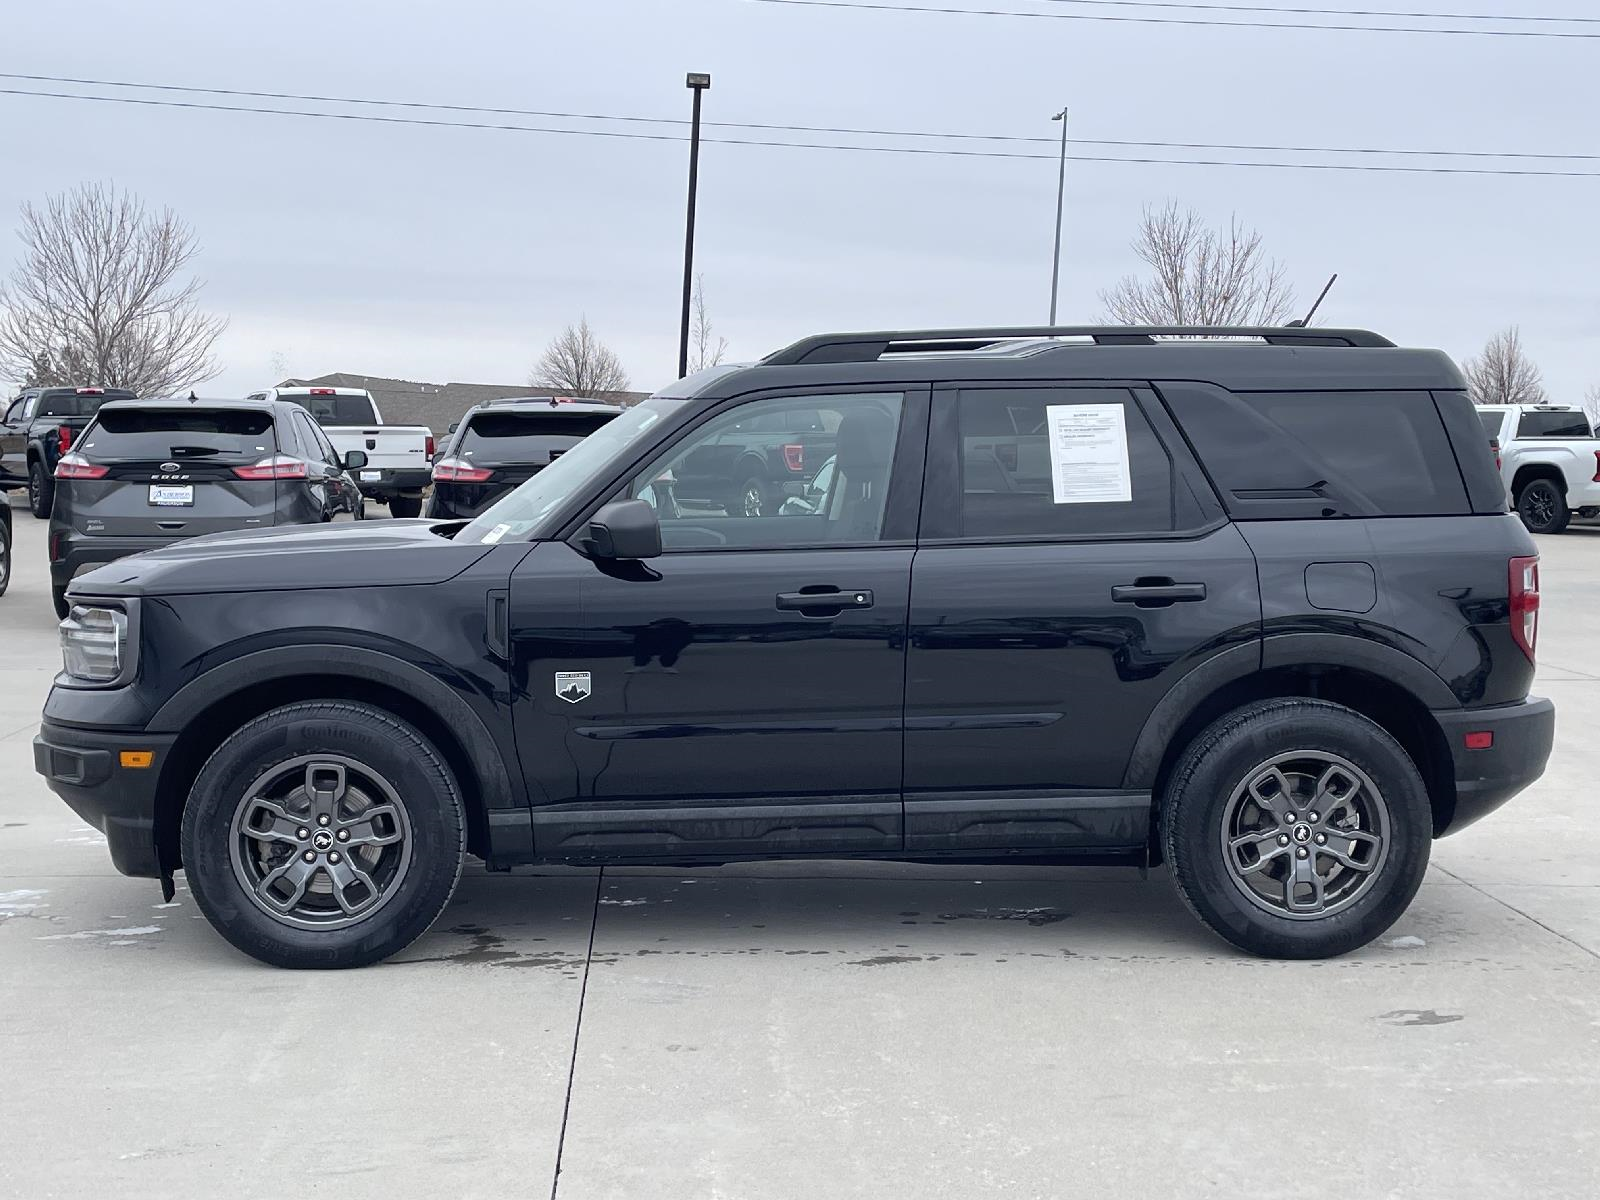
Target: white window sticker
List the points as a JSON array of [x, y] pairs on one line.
[[1089, 453], [494, 535]]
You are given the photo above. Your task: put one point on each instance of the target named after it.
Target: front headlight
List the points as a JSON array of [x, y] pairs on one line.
[[94, 643]]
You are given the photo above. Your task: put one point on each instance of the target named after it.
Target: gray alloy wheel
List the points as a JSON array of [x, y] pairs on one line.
[[320, 842], [1305, 834]]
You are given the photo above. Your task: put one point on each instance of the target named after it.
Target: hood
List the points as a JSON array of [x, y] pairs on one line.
[[291, 556]]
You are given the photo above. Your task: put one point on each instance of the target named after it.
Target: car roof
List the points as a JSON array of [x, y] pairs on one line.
[[185, 402], [1239, 358], [545, 404]]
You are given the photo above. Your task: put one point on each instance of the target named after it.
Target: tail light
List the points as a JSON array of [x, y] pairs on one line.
[[1596, 478], [64, 438], [322, 391], [76, 466], [279, 466], [458, 470], [90, 391], [794, 456], [1494, 445], [429, 450], [1525, 603]]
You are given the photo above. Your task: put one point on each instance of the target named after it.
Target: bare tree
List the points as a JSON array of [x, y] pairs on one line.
[[580, 364], [1591, 404], [1503, 374], [702, 353], [1199, 276], [99, 297]]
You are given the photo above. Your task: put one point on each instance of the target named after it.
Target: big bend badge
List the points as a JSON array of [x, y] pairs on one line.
[[573, 686]]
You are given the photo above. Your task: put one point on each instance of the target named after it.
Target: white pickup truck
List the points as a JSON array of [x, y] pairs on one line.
[[399, 457], [1549, 459]]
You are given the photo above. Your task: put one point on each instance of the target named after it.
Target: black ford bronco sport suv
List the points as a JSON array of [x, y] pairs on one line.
[[1248, 605]]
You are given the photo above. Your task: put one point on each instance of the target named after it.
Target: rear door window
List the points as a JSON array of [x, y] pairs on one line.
[[1062, 463], [179, 435], [1281, 455], [509, 438], [1554, 425], [336, 410]]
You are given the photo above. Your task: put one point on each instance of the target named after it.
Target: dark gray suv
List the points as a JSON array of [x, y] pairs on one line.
[[147, 473]]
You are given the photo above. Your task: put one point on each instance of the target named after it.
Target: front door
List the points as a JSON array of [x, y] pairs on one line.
[[741, 694], [1073, 565]]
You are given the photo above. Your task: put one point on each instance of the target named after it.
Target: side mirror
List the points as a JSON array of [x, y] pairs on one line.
[[624, 529], [454, 425], [354, 460]]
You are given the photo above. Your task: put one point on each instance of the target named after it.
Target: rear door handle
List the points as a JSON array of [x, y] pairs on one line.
[[833, 600], [1157, 593]]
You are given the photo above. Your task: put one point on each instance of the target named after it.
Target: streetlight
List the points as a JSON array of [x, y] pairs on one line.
[[1061, 191], [697, 82]]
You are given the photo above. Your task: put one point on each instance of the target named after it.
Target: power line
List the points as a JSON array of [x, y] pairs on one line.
[[918, 150], [1328, 12], [1205, 21], [831, 129]]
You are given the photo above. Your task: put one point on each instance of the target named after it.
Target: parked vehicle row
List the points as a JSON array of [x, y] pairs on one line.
[[1549, 462], [1255, 609]]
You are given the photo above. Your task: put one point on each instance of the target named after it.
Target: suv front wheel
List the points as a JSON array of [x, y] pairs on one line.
[[323, 834], [1296, 828]]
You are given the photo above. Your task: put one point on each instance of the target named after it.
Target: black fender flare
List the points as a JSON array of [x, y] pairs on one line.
[[352, 662], [1276, 651]]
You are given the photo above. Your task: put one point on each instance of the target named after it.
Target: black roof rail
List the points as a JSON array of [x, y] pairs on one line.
[[868, 347]]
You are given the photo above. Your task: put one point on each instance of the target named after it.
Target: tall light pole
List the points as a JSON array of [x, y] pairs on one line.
[[1061, 193], [697, 82]]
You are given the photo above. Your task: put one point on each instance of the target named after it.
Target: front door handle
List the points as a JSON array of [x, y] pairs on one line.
[[1157, 593], [829, 602]]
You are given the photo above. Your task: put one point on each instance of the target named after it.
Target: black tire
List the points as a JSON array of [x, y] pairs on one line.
[[1542, 505], [1237, 750], [41, 490], [405, 506], [355, 740], [58, 597], [752, 499], [5, 552]]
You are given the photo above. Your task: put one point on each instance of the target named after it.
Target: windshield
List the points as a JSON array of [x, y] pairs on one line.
[[520, 513], [335, 410]]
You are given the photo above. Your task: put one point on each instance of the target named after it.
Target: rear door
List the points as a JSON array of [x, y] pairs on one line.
[[1072, 566], [513, 446], [176, 472]]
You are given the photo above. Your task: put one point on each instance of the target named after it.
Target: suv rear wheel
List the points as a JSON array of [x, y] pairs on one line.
[[41, 490], [1543, 507], [326, 834], [1296, 828]]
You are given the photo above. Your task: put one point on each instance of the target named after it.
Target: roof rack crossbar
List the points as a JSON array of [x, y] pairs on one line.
[[867, 347]]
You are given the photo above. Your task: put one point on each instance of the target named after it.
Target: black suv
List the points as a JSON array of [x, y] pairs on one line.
[[37, 429], [498, 446], [1250, 607]]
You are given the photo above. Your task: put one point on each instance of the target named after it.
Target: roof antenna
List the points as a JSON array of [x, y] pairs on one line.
[[1306, 320], [192, 397]]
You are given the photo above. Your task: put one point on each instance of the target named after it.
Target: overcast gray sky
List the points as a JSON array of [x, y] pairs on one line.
[[455, 254]]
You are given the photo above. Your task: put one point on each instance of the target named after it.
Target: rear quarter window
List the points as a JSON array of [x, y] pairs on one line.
[[1277, 455], [178, 434]]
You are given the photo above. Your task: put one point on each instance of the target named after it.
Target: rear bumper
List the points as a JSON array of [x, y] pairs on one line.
[[1485, 779], [398, 481], [79, 553], [85, 770]]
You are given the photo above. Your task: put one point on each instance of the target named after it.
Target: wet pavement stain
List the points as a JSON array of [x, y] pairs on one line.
[[884, 960], [1419, 1016], [1033, 916]]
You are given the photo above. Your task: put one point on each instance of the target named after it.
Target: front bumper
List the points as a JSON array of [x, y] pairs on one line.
[[79, 553], [86, 771], [1522, 734]]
